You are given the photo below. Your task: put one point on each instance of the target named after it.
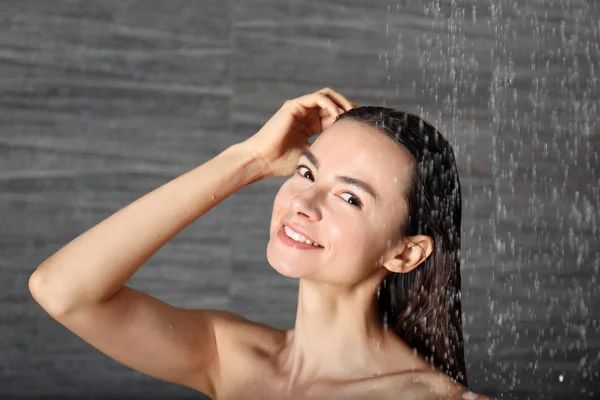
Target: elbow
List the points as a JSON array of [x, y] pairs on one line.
[[35, 281], [41, 292]]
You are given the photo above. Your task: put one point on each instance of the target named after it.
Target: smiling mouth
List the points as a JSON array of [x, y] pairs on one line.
[[289, 232]]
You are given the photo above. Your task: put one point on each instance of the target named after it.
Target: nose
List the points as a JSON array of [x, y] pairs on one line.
[[306, 205]]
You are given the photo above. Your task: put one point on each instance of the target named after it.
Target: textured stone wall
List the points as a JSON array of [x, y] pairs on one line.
[[101, 102]]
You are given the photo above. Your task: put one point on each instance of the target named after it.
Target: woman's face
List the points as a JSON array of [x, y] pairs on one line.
[[353, 225]]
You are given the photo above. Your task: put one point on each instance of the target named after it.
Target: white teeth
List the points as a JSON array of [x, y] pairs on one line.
[[298, 237]]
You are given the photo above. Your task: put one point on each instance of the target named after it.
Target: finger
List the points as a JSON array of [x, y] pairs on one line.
[[321, 100], [315, 125], [327, 122], [338, 98], [323, 113]]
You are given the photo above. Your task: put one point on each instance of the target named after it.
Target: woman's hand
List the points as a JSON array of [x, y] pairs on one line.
[[279, 143]]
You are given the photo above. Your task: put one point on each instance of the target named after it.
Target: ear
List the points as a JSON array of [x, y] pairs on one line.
[[408, 254]]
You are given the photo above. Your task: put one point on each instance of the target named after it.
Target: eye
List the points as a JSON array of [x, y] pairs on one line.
[[353, 199], [303, 170]]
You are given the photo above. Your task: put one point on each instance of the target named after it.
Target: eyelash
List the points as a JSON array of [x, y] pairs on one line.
[[359, 203]]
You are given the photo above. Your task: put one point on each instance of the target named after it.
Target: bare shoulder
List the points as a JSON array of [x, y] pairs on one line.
[[243, 346], [235, 332], [436, 385]]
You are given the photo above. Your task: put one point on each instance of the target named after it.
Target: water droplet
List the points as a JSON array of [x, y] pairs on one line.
[[385, 321], [212, 197], [561, 378]]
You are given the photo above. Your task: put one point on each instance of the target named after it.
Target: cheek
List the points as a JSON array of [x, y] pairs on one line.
[[359, 240], [355, 248], [283, 197], [352, 235], [344, 230], [281, 204]]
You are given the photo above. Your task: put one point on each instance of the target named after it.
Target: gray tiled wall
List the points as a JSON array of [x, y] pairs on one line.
[[101, 102]]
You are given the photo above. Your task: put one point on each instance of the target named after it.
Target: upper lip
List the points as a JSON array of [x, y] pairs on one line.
[[299, 230]]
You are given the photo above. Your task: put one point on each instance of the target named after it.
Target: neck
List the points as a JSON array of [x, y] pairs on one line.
[[338, 334]]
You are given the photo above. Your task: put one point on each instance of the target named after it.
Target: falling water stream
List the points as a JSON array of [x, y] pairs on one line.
[[514, 86], [103, 102]]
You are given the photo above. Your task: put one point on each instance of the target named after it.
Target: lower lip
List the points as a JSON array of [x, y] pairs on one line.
[[292, 243]]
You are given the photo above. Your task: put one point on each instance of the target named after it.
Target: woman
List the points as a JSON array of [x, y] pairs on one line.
[[369, 222]]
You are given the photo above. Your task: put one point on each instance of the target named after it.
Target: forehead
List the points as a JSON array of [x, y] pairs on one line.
[[355, 149]]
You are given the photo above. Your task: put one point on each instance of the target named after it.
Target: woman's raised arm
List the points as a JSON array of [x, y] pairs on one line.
[[82, 286], [96, 264]]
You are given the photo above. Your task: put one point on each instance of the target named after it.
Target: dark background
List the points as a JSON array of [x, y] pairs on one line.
[[103, 101]]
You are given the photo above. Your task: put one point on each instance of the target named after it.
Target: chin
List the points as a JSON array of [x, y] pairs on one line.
[[283, 265], [287, 272]]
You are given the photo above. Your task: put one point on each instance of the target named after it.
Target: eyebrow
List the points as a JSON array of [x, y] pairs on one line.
[[364, 186]]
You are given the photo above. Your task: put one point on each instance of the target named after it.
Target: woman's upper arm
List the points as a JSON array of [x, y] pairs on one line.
[[155, 338]]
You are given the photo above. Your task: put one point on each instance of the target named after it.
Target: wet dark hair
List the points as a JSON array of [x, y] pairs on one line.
[[423, 306]]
